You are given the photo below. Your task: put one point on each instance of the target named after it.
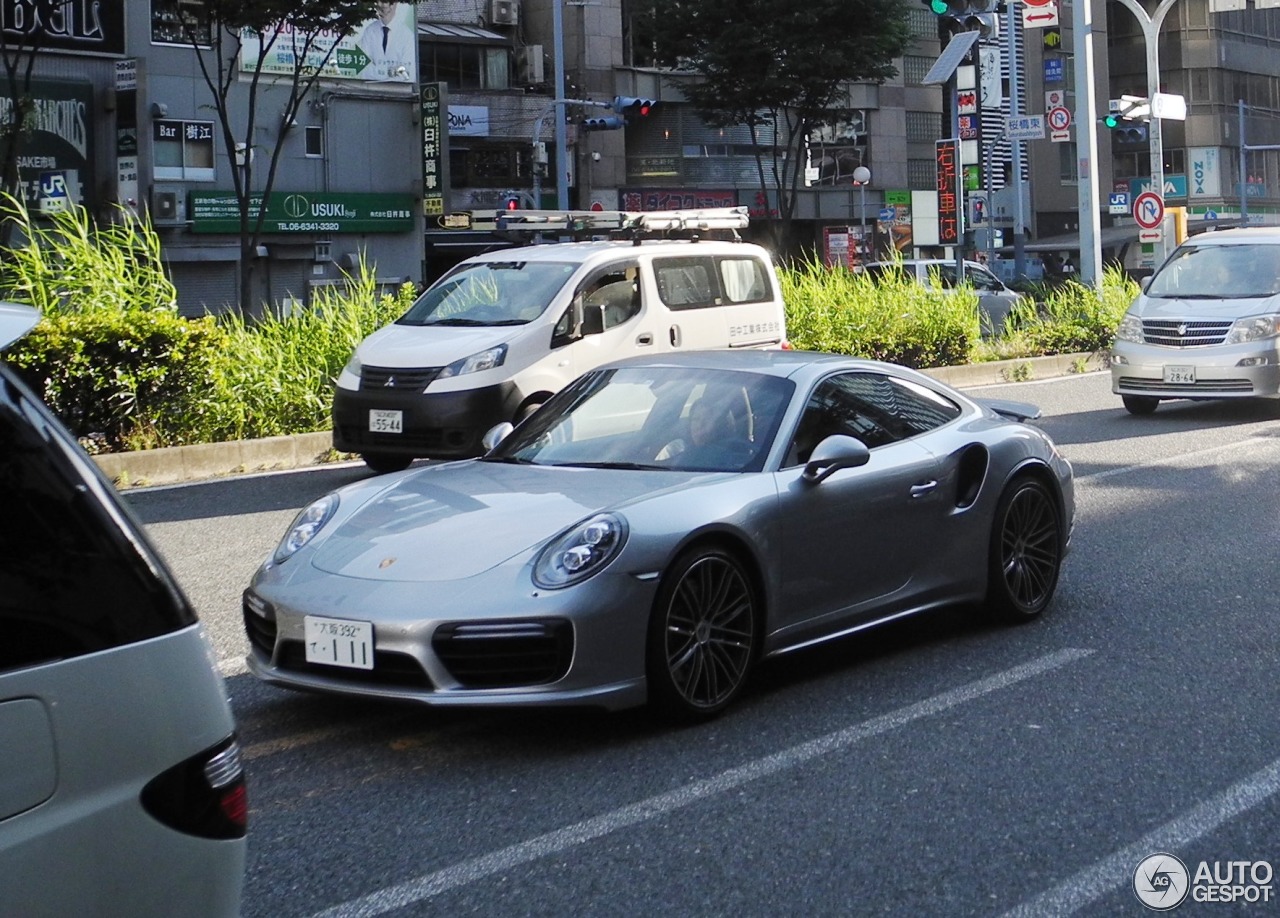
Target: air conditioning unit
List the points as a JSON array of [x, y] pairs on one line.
[[529, 65], [504, 12], [167, 207]]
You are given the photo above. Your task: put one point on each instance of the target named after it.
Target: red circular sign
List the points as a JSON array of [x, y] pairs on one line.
[[1148, 209], [597, 207], [1059, 118]]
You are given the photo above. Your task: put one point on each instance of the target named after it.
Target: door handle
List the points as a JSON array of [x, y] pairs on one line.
[[644, 340], [920, 490], [675, 335]]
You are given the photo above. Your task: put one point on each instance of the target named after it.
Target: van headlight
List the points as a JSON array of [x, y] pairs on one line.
[[1129, 329], [1254, 328], [305, 526], [485, 360], [350, 376], [583, 550]]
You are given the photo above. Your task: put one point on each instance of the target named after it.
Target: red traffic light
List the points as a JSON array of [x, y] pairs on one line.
[[629, 106]]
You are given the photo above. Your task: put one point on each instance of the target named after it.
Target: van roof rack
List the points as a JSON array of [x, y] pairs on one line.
[[624, 224]]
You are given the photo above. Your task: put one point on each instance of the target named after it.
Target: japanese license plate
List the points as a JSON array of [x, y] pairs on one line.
[[382, 421], [1180, 375], [339, 642]]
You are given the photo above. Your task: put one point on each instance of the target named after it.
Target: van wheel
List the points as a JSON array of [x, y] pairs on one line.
[[380, 463], [1140, 404]]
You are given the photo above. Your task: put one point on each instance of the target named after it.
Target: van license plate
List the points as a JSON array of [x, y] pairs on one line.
[[381, 421], [1181, 376], [338, 642]]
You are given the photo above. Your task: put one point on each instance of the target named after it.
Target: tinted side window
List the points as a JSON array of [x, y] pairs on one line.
[[686, 283], [743, 280], [76, 575], [874, 408]]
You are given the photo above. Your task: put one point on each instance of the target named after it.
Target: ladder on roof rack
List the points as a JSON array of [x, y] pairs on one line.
[[637, 222]]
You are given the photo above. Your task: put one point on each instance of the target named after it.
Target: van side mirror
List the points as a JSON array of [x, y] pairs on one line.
[[834, 453], [495, 435]]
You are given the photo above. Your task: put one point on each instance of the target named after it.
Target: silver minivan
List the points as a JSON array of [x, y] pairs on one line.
[[995, 299], [121, 787], [1206, 325]]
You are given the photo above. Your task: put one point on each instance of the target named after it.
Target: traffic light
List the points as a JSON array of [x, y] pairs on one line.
[[511, 200], [956, 16], [606, 123], [1129, 134], [630, 108]]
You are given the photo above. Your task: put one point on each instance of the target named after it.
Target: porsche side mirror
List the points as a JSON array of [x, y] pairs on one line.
[[496, 434], [834, 453], [592, 319]]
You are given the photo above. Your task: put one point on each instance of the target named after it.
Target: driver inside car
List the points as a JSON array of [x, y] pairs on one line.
[[712, 430]]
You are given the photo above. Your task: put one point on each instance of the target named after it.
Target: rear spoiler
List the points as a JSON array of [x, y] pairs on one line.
[[1014, 411]]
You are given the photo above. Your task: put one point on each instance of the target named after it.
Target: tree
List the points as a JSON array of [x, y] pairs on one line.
[[307, 31], [779, 67]]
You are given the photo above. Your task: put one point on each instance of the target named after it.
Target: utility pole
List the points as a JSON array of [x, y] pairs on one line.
[[1087, 145]]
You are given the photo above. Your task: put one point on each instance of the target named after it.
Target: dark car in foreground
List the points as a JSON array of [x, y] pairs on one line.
[[657, 528]]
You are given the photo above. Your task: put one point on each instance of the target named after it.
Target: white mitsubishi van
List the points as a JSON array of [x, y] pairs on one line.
[[502, 332]]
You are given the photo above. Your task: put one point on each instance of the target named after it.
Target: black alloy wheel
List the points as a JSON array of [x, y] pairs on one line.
[[702, 635], [1026, 552]]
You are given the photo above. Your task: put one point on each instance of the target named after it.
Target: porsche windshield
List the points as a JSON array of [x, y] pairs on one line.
[[490, 293], [686, 419], [1215, 272]]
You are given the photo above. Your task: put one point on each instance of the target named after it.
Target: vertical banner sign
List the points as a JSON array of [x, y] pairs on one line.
[[127, 135], [950, 219], [435, 142]]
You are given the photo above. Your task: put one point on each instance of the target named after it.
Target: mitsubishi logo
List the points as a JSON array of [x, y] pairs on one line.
[[1182, 329], [391, 380]]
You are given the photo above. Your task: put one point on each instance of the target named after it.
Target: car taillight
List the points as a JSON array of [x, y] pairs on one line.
[[786, 345], [204, 795]]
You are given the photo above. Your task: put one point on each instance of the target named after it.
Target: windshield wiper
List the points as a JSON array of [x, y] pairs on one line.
[[513, 460], [629, 466], [458, 321]]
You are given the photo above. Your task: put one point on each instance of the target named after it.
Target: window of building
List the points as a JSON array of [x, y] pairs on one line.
[[178, 22], [923, 127], [1067, 170], [915, 68], [483, 164], [183, 150], [922, 174], [314, 140], [466, 66]]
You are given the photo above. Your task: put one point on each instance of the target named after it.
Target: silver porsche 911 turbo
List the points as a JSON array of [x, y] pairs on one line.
[[658, 527]]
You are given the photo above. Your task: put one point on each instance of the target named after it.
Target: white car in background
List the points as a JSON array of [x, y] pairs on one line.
[[121, 788], [995, 299]]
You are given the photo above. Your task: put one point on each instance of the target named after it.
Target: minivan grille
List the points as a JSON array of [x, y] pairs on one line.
[[505, 654], [1206, 386], [1184, 332], [410, 378]]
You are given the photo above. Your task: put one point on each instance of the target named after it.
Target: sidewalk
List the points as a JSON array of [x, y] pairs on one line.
[[176, 464]]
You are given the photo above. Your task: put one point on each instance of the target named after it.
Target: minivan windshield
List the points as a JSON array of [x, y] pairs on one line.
[[1215, 272], [490, 293]]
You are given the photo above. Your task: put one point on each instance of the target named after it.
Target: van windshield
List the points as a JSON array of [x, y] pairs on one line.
[[490, 293], [1215, 272]]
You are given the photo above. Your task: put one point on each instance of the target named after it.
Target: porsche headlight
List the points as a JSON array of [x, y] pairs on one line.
[[580, 552], [485, 360], [305, 526], [1254, 328], [1130, 329]]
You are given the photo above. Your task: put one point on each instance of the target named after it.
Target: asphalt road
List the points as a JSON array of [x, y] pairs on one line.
[[934, 767]]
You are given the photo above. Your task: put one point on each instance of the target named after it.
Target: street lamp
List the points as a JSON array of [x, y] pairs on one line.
[[861, 176]]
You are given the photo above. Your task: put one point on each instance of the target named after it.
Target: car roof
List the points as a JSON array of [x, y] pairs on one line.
[[1265, 235], [770, 362], [15, 321]]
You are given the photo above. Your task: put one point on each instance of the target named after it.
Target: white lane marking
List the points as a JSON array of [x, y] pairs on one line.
[[433, 884], [1172, 460], [1102, 878]]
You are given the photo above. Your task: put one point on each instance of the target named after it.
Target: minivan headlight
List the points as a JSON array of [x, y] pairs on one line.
[[1129, 329], [583, 550], [305, 526], [485, 360], [1254, 328]]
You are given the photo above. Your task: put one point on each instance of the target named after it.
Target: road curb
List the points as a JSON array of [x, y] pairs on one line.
[[178, 464]]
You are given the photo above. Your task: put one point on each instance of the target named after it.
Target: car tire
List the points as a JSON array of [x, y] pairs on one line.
[[381, 463], [704, 634], [1026, 552], [1140, 404]]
